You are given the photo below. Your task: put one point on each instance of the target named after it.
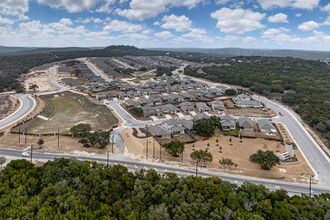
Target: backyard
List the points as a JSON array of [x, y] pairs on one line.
[[66, 110]]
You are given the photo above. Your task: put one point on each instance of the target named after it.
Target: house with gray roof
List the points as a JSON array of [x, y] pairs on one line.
[[202, 107], [245, 124], [218, 105], [144, 101], [178, 126], [159, 132], [227, 122], [101, 95], [121, 95], [148, 111], [132, 103], [266, 126], [248, 104], [200, 116], [187, 107]]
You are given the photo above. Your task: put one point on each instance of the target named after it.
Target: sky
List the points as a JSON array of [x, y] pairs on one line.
[[269, 24]]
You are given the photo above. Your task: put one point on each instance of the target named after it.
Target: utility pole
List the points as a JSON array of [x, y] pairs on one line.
[[19, 135], [310, 186], [160, 151], [25, 136], [108, 151], [112, 142], [196, 168], [58, 138], [153, 149], [182, 157], [31, 152], [147, 148]]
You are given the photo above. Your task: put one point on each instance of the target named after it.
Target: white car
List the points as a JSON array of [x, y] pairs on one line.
[[25, 154]]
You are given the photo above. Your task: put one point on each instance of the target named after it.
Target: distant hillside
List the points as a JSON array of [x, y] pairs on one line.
[[36, 50], [231, 52]]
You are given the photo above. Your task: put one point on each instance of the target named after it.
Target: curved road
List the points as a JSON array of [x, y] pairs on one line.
[[27, 105]]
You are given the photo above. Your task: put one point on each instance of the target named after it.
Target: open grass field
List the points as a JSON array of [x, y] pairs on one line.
[[66, 110]]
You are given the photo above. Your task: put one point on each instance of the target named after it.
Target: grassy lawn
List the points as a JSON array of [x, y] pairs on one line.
[[148, 76], [67, 110], [233, 132]]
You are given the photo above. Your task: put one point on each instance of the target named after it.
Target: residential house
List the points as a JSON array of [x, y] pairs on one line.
[[248, 104], [177, 97], [148, 111], [159, 132], [155, 99], [101, 95], [202, 107], [218, 105], [144, 101], [187, 96], [178, 126], [266, 126], [241, 97], [132, 103], [121, 95], [200, 116], [187, 107], [245, 124], [167, 109], [227, 122]]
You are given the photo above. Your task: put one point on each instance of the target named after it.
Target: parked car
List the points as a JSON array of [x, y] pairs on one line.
[[25, 154], [280, 113]]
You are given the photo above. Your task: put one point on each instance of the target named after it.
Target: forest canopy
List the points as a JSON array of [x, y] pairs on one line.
[[72, 189]]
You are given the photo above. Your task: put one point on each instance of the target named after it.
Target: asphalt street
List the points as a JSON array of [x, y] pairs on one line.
[[272, 185], [27, 105]]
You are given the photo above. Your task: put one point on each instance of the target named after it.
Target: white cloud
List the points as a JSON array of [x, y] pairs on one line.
[[248, 39], [326, 8], [273, 31], [280, 17], [14, 7], [302, 4], [179, 23], [308, 26], [164, 34], [106, 7], [156, 23], [238, 20], [143, 9], [298, 15], [5, 21], [222, 2], [197, 34], [66, 21], [122, 26], [230, 38], [73, 6], [327, 21]]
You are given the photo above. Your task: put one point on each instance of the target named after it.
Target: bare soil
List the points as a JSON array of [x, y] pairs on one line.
[[236, 150], [68, 145], [8, 105], [43, 82], [251, 112]]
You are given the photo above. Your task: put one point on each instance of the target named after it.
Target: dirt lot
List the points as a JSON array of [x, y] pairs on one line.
[[68, 145], [238, 151], [251, 112], [43, 83], [8, 105], [66, 110]]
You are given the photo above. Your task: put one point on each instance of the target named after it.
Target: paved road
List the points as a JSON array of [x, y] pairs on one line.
[[130, 121], [27, 105], [318, 160], [273, 185], [96, 71]]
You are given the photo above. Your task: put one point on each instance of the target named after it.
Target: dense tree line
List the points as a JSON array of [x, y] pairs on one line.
[[302, 84], [70, 189]]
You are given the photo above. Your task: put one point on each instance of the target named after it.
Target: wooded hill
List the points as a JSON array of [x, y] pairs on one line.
[[70, 189], [302, 84]]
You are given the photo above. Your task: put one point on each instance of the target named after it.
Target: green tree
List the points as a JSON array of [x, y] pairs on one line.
[[206, 126], [174, 148], [33, 87], [81, 130], [40, 142], [99, 137], [227, 162], [201, 156], [230, 92], [136, 111], [266, 159]]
